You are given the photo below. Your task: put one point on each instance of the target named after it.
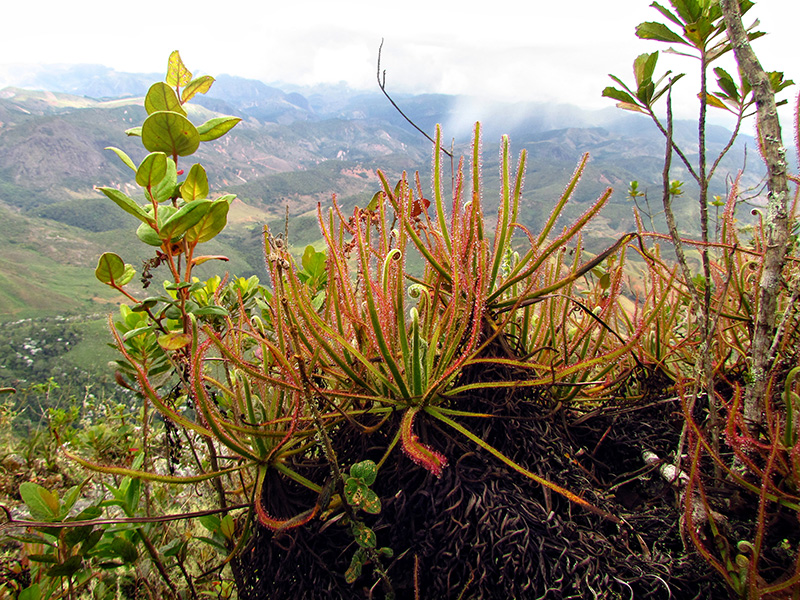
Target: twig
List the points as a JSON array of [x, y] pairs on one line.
[[382, 85]]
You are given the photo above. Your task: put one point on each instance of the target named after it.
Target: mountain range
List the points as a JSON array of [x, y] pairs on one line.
[[295, 147]]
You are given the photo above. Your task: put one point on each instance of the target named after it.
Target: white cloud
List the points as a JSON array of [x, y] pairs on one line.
[[509, 49]]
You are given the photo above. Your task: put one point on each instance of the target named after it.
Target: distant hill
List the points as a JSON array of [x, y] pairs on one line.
[[295, 147]]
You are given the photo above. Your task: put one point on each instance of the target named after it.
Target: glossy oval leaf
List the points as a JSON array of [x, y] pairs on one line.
[[170, 132], [365, 470], [186, 217], [166, 189], [217, 127], [148, 235], [196, 185], [210, 225], [177, 73], [111, 269], [197, 86], [152, 170], [162, 97]]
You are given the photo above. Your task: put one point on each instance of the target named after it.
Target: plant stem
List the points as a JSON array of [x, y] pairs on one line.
[[776, 222]]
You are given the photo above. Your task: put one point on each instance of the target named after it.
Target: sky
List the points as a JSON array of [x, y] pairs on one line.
[[512, 50]]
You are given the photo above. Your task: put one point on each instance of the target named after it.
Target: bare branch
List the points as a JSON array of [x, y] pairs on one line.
[[382, 85]]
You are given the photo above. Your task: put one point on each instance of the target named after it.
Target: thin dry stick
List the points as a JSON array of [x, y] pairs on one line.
[[382, 85]]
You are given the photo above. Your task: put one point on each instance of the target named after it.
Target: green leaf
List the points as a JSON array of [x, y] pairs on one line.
[[162, 97], [778, 82], [165, 190], [365, 470], [354, 491], [111, 270], [92, 540], [226, 526], [123, 157], [196, 185], [127, 204], [209, 311], [177, 73], [688, 10], [170, 132], [353, 572], [134, 131], [32, 538], [66, 569], [88, 513], [41, 502], [659, 32], [124, 549], [667, 13], [32, 592], [614, 93], [216, 128], [212, 542], [727, 84], [210, 522], [699, 31], [373, 204], [371, 503], [152, 170], [363, 535], [43, 558], [148, 235], [174, 340], [211, 224], [712, 100], [186, 217], [643, 68], [174, 548], [132, 493], [76, 535], [71, 497], [197, 86]]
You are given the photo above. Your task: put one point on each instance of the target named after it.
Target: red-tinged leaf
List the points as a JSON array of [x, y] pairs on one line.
[[631, 107], [421, 454], [199, 260], [419, 206]]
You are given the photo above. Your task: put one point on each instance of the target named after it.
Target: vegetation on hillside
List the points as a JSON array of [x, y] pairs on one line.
[[438, 398]]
